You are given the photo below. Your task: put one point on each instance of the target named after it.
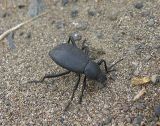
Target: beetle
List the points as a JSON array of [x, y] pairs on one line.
[[74, 59]]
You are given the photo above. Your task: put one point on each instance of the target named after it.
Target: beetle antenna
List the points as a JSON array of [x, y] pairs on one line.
[[115, 63]]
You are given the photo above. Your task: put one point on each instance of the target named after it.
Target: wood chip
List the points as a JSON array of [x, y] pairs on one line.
[[140, 94], [140, 81]]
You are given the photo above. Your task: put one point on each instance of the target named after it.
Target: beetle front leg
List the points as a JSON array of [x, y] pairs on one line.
[[105, 65], [75, 88], [49, 76], [83, 88]]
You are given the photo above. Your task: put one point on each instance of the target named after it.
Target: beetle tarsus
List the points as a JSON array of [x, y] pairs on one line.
[[52, 75], [115, 63], [66, 108], [83, 88], [75, 88]]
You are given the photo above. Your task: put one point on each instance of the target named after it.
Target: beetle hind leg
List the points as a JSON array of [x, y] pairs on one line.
[[75, 88], [53, 75]]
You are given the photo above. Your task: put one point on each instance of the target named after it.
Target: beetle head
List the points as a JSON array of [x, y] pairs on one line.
[[101, 77], [93, 71]]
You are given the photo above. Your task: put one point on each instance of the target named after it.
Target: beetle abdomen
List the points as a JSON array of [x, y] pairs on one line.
[[69, 57]]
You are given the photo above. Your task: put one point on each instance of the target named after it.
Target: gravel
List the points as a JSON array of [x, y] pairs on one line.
[[155, 79], [113, 30], [76, 36], [138, 5], [36, 7], [82, 25], [65, 2], [157, 111], [138, 120]]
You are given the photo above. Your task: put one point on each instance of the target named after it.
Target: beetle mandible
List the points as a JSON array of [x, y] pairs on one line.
[[77, 60]]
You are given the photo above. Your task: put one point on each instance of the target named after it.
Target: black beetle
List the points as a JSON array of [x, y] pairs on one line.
[[74, 59]]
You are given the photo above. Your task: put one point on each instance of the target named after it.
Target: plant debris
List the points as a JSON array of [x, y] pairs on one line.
[[140, 94], [135, 81], [3, 35]]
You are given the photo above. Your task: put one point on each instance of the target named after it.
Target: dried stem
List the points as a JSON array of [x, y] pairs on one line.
[[3, 35]]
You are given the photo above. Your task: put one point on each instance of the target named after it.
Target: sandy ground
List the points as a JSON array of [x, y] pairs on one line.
[[117, 28]]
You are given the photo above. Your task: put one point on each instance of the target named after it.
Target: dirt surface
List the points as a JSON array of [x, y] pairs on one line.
[[120, 28]]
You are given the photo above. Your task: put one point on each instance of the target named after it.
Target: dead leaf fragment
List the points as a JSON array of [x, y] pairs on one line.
[[140, 80], [158, 124], [140, 94]]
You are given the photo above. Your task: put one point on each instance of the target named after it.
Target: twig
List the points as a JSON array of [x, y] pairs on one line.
[[140, 94], [3, 35]]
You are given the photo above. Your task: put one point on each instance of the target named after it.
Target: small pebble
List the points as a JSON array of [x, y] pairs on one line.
[[157, 111], [115, 38], [60, 25], [138, 5], [7, 103], [128, 119], [139, 48], [138, 120], [82, 25], [4, 14], [140, 106], [107, 121], [74, 12], [92, 12], [99, 35], [35, 7], [76, 36], [125, 108], [21, 33], [28, 35], [62, 120], [145, 13], [113, 16], [155, 79], [64, 2], [151, 23], [21, 6]]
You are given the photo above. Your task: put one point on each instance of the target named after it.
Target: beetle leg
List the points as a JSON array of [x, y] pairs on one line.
[[72, 40], [84, 47], [83, 88], [49, 76], [105, 65], [75, 88], [115, 63]]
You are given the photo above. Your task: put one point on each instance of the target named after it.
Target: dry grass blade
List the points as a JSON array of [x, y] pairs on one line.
[[3, 35]]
